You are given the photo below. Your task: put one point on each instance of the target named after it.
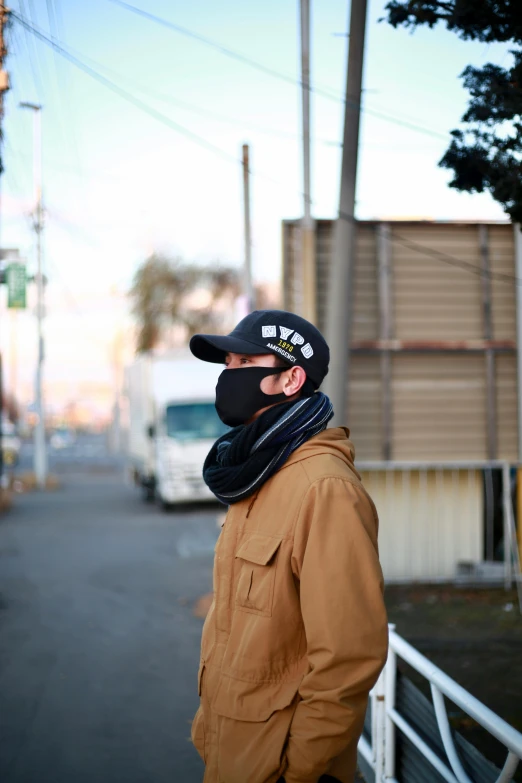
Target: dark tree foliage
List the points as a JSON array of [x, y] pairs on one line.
[[486, 155], [472, 20]]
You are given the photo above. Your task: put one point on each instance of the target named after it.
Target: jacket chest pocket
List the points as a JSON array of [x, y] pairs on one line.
[[255, 586]]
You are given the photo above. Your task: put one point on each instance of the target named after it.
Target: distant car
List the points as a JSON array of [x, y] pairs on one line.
[[10, 444], [62, 439]]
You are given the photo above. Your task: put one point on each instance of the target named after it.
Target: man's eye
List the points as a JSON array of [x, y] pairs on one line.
[[244, 360]]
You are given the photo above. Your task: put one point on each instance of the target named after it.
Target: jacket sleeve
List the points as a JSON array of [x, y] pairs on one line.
[[336, 560]]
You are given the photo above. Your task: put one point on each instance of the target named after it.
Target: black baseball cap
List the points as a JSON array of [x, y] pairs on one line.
[[279, 332]]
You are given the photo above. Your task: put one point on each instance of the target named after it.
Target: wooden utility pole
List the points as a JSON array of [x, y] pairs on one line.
[[40, 449], [248, 288], [339, 316], [308, 304], [13, 354]]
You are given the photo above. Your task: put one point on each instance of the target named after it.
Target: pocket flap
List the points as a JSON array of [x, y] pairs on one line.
[[252, 701], [259, 549], [200, 676]]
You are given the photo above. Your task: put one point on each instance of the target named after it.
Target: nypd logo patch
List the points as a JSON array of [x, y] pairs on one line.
[[286, 348]]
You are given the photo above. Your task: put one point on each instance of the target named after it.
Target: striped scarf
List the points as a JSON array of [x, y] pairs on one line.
[[242, 460]]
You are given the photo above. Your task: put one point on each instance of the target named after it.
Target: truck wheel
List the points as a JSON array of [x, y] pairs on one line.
[[148, 494], [165, 505]]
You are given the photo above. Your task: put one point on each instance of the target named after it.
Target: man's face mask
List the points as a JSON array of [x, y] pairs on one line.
[[239, 395]]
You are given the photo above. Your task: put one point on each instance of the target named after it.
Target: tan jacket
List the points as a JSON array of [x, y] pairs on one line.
[[297, 633]]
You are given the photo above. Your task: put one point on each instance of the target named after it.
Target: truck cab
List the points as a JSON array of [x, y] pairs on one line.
[[172, 425], [184, 437]]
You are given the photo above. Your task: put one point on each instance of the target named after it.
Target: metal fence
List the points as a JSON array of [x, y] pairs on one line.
[[446, 757], [438, 519]]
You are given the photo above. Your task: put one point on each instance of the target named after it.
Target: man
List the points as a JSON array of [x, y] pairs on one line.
[[297, 633]]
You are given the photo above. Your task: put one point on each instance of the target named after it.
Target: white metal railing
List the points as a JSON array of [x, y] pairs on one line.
[[379, 752]]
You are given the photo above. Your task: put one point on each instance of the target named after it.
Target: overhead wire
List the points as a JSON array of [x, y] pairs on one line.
[[238, 56], [196, 138], [31, 53], [33, 18], [445, 258], [170, 99], [60, 88], [15, 170], [64, 97], [58, 16], [191, 107]]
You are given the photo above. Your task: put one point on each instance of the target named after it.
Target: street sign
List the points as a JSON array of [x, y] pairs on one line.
[[16, 278]]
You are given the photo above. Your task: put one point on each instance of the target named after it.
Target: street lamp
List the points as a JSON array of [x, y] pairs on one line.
[[40, 454]]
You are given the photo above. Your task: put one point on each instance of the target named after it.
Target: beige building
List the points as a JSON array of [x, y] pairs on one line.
[[432, 380], [433, 350]]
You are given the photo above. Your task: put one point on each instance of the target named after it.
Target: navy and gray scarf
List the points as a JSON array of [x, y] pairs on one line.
[[242, 460]]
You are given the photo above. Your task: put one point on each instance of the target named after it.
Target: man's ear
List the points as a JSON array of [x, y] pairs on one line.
[[294, 381]]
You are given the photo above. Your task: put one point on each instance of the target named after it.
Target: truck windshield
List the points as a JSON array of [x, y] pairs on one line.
[[194, 421]]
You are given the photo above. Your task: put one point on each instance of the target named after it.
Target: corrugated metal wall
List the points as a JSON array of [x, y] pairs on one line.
[[444, 402], [439, 407], [501, 244], [434, 300], [430, 521], [506, 394]]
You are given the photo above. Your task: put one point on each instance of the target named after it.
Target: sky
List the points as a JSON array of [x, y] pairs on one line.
[[119, 183]]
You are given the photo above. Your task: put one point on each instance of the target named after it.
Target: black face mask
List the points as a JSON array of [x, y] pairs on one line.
[[239, 395]]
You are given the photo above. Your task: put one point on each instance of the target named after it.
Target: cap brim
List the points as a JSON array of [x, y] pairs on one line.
[[214, 348]]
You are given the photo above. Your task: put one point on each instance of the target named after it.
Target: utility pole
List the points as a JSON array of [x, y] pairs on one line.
[[248, 288], [307, 224], [339, 314], [13, 353], [40, 452], [4, 77], [4, 86]]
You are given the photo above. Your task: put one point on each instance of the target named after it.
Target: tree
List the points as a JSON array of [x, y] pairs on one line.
[[168, 292], [486, 155]]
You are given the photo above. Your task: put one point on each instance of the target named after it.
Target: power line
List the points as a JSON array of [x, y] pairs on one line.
[[238, 56], [196, 138], [424, 249], [445, 257], [170, 99], [50, 14], [147, 89], [57, 72], [209, 42], [59, 16], [33, 18], [31, 50], [218, 116], [62, 83], [452, 261]]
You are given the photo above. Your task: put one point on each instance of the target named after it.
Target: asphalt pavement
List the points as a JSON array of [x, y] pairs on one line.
[[87, 453], [99, 645]]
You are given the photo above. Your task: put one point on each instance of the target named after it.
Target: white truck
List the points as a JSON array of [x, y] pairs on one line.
[[172, 425]]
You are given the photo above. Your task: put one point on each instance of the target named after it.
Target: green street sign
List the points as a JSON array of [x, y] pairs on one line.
[[16, 279]]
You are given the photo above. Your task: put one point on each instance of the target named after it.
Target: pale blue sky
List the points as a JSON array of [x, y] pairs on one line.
[[118, 184]]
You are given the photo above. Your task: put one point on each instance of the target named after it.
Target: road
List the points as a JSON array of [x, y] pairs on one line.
[[88, 453], [98, 641]]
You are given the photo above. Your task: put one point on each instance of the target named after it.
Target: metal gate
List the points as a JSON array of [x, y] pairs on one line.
[[407, 739]]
